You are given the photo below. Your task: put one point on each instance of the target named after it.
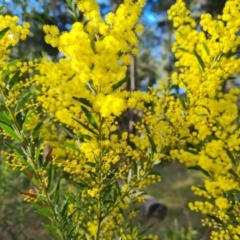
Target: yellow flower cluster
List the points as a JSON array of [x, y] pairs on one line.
[[13, 33], [99, 50], [201, 127], [84, 93]]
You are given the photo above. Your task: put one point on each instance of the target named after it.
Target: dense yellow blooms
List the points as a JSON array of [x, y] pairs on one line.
[[83, 94], [201, 128], [12, 36]]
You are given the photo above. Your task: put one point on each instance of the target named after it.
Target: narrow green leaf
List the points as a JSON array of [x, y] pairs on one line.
[[174, 86], [216, 219], [154, 149], [205, 108], [198, 168], [169, 121], [23, 101], [140, 234], [5, 118], [234, 191], [129, 176], [200, 61], [10, 131], [91, 164], [64, 209], [93, 46], [18, 152], [231, 78], [232, 172], [72, 146], [56, 192], [85, 136], [206, 49], [37, 155], [183, 49], [83, 101], [1, 8], [202, 188], [13, 80], [135, 168], [43, 211], [69, 132], [3, 32], [85, 126], [36, 129], [230, 54], [12, 63], [52, 229], [90, 117], [230, 155], [51, 175], [119, 84], [181, 101], [147, 129], [83, 185], [193, 151]]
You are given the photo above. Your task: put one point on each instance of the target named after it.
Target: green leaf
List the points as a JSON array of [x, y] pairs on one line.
[[83, 185], [230, 155], [169, 121], [36, 129], [129, 176], [56, 192], [52, 229], [93, 46], [232, 172], [202, 188], [13, 80], [198, 168], [64, 209], [5, 118], [230, 54], [1, 8], [43, 211], [69, 132], [181, 101], [51, 175], [72, 146], [19, 153], [136, 169], [10, 131], [205, 108], [3, 32], [90, 117], [183, 49], [85, 126], [12, 63], [216, 219], [174, 86], [194, 152], [23, 101], [119, 84], [83, 101], [140, 234], [231, 78], [154, 149], [200, 61], [206, 49], [91, 164], [85, 136]]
